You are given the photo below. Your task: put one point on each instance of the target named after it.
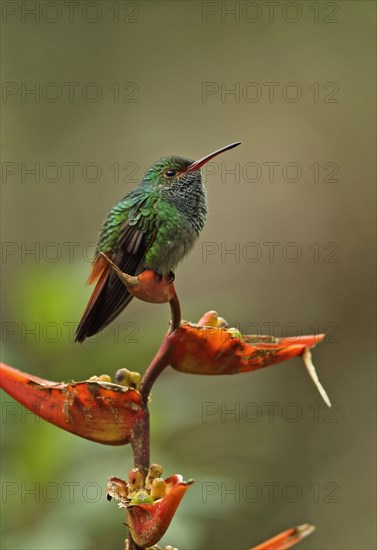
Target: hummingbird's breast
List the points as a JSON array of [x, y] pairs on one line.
[[182, 215], [190, 200], [172, 244]]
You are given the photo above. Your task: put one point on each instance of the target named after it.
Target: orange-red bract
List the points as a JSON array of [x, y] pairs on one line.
[[149, 289], [99, 411], [287, 538], [148, 522], [199, 349], [146, 286]]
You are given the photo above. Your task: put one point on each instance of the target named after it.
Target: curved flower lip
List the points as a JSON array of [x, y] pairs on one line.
[[100, 411], [287, 538], [199, 349], [145, 286], [148, 522]]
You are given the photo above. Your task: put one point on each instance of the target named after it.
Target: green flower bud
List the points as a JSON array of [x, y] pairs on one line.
[[141, 497]]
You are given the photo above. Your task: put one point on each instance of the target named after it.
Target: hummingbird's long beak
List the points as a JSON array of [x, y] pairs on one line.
[[199, 163]]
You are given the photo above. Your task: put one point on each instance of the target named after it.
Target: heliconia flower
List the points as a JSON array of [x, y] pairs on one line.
[[146, 286], [94, 409], [211, 350], [287, 538], [210, 347], [148, 522]]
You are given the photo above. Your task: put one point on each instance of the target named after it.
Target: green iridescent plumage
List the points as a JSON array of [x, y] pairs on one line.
[[153, 227], [169, 212]]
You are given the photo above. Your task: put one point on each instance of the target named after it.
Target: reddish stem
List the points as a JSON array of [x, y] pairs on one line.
[[131, 545], [162, 358], [140, 437], [160, 362]]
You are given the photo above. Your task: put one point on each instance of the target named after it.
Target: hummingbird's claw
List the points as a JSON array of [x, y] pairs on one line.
[[170, 277]]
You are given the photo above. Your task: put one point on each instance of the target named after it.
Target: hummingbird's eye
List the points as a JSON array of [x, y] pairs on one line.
[[170, 173]]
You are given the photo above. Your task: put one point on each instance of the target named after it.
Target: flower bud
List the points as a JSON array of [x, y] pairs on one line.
[[158, 488], [117, 488], [135, 379], [233, 331], [101, 378], [135, 480], [128, 378], [104, 378], [141, 497], [221, 323], [209, 319], [122, 377], [155, 470]]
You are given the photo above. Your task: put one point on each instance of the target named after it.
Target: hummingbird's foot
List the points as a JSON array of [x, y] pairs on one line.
[[170, 277], [157, 273]]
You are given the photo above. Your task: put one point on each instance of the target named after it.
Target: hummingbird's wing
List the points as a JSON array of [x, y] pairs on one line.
[[110, 296]]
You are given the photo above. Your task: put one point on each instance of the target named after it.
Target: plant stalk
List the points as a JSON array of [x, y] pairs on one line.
[[140, 438]]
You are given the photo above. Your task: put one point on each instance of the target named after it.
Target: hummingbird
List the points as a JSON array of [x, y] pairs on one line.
[[153, 227]]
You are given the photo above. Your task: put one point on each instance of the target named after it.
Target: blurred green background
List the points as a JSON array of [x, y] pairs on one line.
[[161, 75]]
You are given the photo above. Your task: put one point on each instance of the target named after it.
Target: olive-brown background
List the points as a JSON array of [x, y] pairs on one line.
[[169, 52]]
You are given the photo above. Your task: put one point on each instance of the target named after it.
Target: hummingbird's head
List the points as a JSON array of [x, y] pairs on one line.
[[169, 172], [177, 172]]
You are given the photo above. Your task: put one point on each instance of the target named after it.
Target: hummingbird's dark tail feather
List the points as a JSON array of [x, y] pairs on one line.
[[109, 297]]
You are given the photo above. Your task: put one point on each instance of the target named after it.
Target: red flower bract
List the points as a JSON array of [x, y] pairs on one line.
[[199, 349], [287, 538], [146, 286], [148, 522], [99, 411]]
